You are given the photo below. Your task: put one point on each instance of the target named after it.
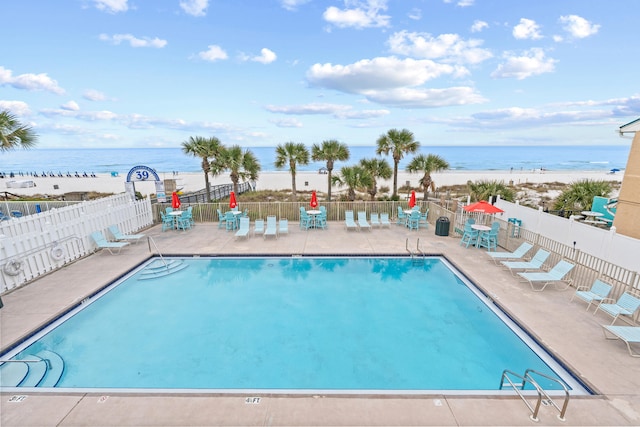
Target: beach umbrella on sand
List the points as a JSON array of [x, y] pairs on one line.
[[232, 200], [175, 200], [314, 199], [412, 199], [483, 207]]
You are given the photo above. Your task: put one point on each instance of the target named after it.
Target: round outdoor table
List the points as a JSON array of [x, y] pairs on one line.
[[481, 229]]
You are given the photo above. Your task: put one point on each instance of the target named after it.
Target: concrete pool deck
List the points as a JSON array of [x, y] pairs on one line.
[[564, 327]]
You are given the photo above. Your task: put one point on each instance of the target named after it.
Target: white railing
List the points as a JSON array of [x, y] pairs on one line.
[[34, 245], [601, 243]]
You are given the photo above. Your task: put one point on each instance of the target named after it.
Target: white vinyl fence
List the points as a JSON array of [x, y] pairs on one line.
[[601, 243], [36, 244]]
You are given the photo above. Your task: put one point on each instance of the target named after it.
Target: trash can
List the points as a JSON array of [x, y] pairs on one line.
[[442, 226]]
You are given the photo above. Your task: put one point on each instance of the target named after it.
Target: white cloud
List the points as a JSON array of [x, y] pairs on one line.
[[578, 27], [427, 98], [531, 63], [18, 108], [287, 123], [358, 14], [195, 7], [30, 82], [292, 4], [448, 47], [395, 82], [339, 111], [415, 14], [134, 41], [71, 106], [527, 29], [306, 109], [214, 53], [266, 56], [363, 114], [112, 6], [94, 95], [461, 3], [478, 26]]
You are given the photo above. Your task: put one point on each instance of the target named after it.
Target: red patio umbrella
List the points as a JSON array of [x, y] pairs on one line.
[[412, 199], [232, 200], [484, 207], [314, 199], [175, 200]]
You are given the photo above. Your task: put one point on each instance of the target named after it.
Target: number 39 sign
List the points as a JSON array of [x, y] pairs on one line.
[[142, 173]]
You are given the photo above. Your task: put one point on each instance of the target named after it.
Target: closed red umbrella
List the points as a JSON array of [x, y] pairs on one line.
[[484, 207], [412, 199], [175, 200], [314, 199], [232, 200]]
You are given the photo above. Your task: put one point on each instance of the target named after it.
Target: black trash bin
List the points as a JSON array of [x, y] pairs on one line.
[[442, 226]]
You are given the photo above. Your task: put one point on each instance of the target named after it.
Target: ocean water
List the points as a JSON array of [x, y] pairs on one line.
[[552, 158]]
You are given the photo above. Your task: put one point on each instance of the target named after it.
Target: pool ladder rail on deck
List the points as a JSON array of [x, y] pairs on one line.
[[161, 267], [417, 257], [527, 378]]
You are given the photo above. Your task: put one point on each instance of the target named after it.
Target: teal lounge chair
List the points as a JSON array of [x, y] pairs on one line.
[[556, 275], [628, 334], [535, 264], [375, 220], [626, 305], [115, 231], [102, 243], [384, 220], [362, 221], [243, 230], [271, 229], [258, 227], [283, 226], [598, 292], [349, 222], [517, 254]]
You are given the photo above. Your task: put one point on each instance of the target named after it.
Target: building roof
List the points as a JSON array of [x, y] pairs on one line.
[[633, 126]]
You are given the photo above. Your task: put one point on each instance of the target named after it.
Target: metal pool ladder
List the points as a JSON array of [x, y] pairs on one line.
[[417, 257], [527, 378]]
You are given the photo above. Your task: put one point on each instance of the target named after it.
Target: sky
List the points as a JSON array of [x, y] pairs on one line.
[[153, 73]]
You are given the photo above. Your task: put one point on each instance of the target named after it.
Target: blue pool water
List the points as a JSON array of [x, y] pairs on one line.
[[292, 323]]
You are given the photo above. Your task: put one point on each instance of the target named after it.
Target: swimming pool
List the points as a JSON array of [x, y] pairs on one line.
[[286, 324]]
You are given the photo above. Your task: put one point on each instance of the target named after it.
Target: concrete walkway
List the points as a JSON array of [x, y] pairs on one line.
[[574, 335]]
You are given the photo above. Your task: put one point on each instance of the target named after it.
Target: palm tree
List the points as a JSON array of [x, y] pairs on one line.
[[242, 165], [484, 189], [579, 196], [205, 148], [330, 151], [14, 134], [399, 143], [355, 178], [293, 154], [377, 168], [427, 164]]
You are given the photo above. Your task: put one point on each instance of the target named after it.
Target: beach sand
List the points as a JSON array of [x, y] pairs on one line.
[[305, 181]]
